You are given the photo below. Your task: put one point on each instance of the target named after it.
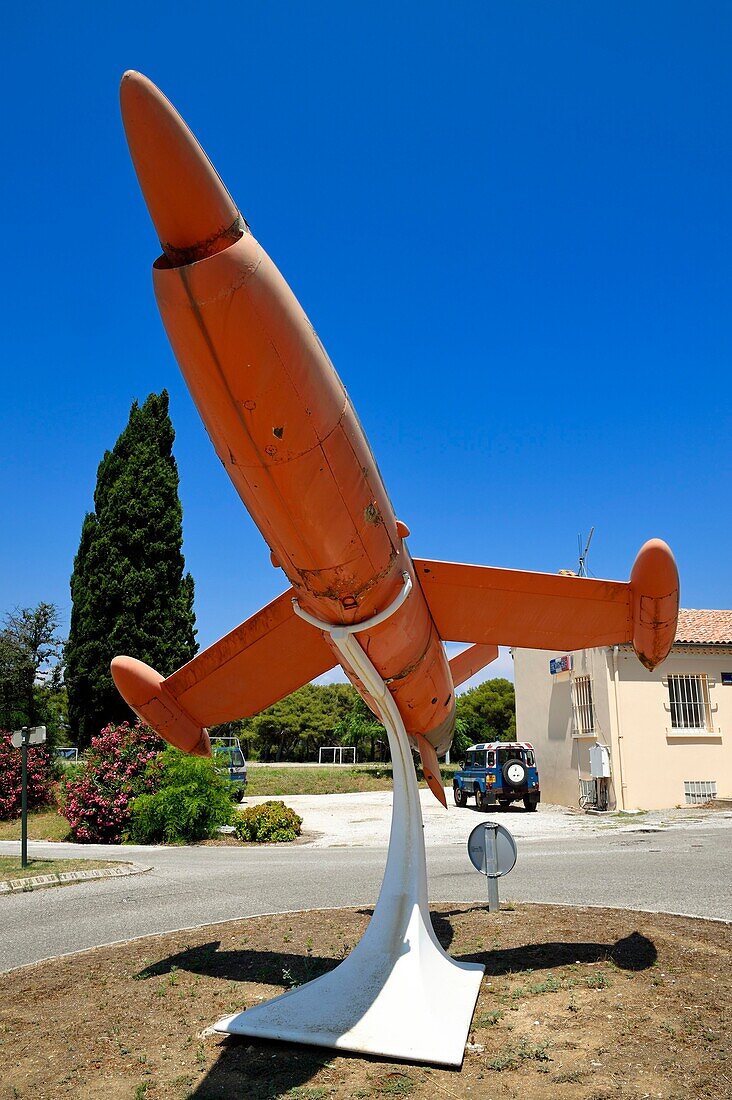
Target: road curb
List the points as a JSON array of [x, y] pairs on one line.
[[39, 882]]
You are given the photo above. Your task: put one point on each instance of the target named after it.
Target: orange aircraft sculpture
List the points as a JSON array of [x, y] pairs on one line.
[[284, 428]]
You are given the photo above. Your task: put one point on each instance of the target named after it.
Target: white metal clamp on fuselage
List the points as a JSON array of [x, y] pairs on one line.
[[349, 648]]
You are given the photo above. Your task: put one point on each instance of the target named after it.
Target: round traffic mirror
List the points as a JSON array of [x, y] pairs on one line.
[[480, 845]]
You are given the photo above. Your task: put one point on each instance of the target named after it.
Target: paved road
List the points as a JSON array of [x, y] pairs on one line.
[[682, 870]]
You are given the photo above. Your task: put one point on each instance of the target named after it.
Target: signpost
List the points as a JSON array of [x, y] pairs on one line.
[[492, 851], [21, 739]]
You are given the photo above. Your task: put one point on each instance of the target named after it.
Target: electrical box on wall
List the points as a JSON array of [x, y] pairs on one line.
[[599, 761]]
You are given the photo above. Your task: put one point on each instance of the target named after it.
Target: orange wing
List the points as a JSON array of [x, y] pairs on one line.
[[474, 603], [268, 656], [258, 663]]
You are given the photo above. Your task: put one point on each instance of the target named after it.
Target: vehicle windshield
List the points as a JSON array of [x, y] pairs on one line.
[[479, 758], [504, 755], [228, 757]]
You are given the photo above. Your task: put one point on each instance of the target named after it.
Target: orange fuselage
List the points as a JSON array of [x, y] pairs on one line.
[[285, 430]]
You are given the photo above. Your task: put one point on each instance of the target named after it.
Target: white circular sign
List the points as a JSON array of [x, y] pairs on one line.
[[481, 839]]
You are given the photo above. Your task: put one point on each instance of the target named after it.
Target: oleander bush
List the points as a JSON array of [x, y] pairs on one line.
[[97, 794], [271, 821], [40, 778], [191, 802]]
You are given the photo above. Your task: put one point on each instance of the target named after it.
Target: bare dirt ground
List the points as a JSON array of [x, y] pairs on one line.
[[576, 1003]]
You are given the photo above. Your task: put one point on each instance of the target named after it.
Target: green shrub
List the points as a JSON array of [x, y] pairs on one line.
[[192, 802], [270, 821]]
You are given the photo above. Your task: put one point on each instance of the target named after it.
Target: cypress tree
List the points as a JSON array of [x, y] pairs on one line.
[[129, 591]]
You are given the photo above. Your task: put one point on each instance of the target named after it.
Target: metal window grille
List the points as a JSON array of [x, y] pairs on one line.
[[583, 706], [699, 790], [689, 702]]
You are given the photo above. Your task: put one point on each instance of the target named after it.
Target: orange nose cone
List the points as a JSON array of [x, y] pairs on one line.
[[193, 213]]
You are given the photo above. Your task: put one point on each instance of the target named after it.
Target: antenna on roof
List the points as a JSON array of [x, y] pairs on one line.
[[582, 570]]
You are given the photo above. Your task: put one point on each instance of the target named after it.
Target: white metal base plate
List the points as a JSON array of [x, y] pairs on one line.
[[414, 1005]]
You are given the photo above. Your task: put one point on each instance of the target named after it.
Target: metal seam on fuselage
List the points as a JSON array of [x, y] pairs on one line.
[[300, 454], [283, 363], [415, 663]]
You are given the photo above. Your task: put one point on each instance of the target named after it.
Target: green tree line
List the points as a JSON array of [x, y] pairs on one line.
[[334, 714], [129, 590], [32, 692]]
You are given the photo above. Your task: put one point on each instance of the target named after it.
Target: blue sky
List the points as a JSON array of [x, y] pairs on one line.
[[510, 225]]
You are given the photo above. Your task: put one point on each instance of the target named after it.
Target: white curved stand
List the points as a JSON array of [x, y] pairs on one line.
[[398, 994]]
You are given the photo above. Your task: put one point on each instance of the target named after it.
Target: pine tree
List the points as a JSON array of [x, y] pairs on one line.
[[129, 592]]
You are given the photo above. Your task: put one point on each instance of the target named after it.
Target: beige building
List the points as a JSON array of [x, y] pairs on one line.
[[608, 732]]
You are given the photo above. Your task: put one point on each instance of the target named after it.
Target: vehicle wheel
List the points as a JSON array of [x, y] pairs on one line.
[[514, 773], [240, 795], [459, 795], [480, 801], [530, 804]]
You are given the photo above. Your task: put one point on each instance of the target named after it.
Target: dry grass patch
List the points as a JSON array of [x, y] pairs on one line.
[[42, 825], [10, 866]]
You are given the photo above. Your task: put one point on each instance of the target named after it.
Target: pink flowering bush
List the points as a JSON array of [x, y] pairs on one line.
[[40, 778], [97, 796]]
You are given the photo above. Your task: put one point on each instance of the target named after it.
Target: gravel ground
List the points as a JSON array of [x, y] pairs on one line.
[[363, 820]]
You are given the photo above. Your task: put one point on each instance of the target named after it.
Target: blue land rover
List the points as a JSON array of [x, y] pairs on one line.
[[498, 773]]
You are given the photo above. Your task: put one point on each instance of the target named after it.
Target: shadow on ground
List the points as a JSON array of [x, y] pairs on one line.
[[264, 1070], [264, 967], [256, 1069], [633, 952]]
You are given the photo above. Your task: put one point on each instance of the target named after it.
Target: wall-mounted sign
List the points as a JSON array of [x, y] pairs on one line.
[[727, 679], [561, 664]]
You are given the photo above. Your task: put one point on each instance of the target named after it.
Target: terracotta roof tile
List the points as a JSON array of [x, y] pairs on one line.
[[704, 627]]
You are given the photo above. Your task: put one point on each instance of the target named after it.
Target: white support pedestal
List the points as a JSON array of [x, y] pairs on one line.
[[398, 994]]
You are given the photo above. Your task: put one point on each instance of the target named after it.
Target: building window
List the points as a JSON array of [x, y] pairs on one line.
[[583, 707], [699, 790], [689, 703]]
